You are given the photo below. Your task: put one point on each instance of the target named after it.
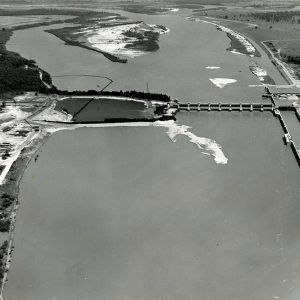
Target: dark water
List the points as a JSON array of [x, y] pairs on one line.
[[101, 109]]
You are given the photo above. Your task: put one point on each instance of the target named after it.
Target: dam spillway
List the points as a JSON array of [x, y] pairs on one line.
[[273, 107]]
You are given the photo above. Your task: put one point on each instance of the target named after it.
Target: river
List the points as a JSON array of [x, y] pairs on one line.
[[178, 68], [126, 213]]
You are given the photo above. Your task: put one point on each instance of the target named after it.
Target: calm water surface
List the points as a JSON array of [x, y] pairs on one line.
[[153, 219], [125, 213], [178, 68]]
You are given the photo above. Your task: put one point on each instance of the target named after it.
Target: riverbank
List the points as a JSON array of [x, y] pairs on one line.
[[241, 45], [115, 38], [25, 126], [275, 29], [10, 188], [69, 42]]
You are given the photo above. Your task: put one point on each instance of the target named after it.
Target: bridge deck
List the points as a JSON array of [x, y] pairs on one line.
[[273, 107], [223, 106]]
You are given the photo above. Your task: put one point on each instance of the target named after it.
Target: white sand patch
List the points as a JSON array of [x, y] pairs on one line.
[[50, 114], [12, 112], [16, 144], [222, 82], [13, 140], [24, 97], [234, 51], [45, 83], [112, 39], [293, 98], [259, 72], [208, 146], [249, 47], [212, 67]]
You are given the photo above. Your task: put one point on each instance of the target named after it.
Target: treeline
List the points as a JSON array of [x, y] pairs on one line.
[[277, 16], [129, 94], [3, 253], [290, 58], [18, 74]]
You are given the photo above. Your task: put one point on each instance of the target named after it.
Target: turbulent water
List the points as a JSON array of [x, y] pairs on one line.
[[206, 208]]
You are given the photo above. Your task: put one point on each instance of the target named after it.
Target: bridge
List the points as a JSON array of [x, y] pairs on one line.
[[272, 106], [222, 106]]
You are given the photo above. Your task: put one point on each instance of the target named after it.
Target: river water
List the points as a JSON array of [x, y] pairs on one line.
[[126, 213], [178, 68]]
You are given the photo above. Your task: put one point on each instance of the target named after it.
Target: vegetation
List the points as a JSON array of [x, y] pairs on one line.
[[3, 253], [61, 35], [291, 59], [18, 74], [132, 94], [5, 225], [146, 41], [289, 53], [144, 9], [6, 201], [277, 16]]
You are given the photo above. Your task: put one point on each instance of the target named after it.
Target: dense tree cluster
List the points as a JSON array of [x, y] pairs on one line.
[[291, 58], [18, 74], [132, 94], [6, 200], [276, 16], [286, 56], [5, 225], [3, 252]]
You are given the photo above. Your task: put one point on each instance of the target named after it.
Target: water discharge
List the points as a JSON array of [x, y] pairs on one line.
[[204, 144]]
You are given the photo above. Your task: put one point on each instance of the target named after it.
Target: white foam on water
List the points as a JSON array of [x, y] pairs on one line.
[[222, 82], [258, 71], [212, 67], [234, 51], [209, 146], [174, 9], [17, 143]]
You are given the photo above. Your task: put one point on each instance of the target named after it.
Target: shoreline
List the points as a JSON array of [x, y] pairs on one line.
[[239, 43], [284, 72], [12, 184], [68, 42]]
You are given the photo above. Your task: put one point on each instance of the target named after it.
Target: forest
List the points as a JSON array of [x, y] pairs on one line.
[[18, 74], [132, 94], [277, 16]]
